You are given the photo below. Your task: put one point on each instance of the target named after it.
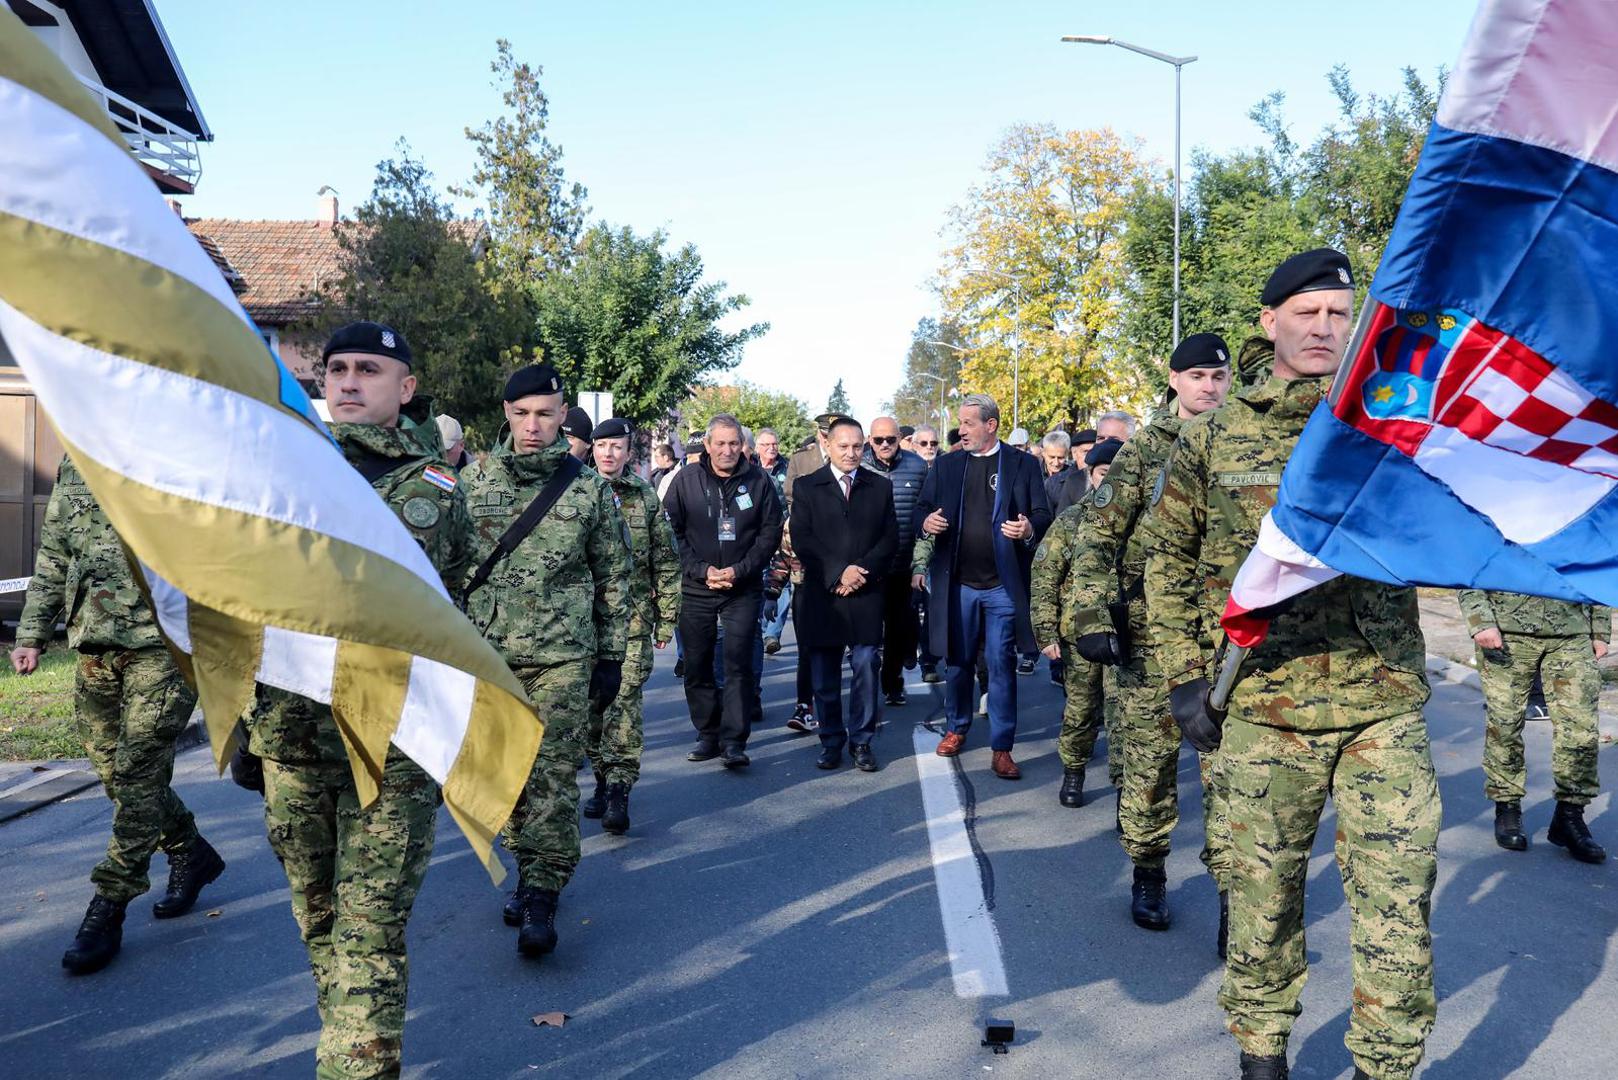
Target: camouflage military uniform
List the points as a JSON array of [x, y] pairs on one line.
[[1328, 705], [129, 698], [552, 608], [1551, 637], [1109, 561], [354, 871], [614, 740], [1053, 610]]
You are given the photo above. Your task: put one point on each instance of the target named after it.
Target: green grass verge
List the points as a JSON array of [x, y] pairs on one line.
[[36, 713]]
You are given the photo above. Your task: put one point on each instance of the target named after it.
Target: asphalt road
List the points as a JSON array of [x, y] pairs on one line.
[[786, 922]]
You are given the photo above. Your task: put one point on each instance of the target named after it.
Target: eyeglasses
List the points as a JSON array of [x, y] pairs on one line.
[[924, 442], [884, 440]]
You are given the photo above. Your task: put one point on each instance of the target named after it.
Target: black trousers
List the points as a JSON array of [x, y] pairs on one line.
[[899, 631], [721, 718], [806, 688]]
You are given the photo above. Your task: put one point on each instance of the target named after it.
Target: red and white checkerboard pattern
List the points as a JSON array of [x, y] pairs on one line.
[[1517, 401]]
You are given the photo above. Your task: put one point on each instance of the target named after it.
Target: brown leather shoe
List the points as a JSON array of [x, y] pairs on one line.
[[1004, 767], [950, 744]]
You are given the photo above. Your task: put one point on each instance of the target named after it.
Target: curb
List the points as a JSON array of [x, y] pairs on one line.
[[53, 784]]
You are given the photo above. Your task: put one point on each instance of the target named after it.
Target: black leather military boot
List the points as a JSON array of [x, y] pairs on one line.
[[538, 933], [616, 818], [1264, 1068], [189, 871], [596, 805], [1149, 900], [1072, 793], [1508, 826], [1569, 830], [511, 913], [100, 936], [1224, 922]]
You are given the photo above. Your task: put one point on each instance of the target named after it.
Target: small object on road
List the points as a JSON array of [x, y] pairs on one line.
[[997, 1034], [215, 913], [550, 1019]]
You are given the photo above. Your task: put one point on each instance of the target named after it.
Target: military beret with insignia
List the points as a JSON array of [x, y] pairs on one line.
[[825, 420], [614, 428], [368, 337], [1200, 351], [577, 424], [1308, 271], [533, 379], [1102, 453]]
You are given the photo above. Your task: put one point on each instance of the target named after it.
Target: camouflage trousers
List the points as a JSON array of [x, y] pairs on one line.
[[544, 828], [1149, 745], [614, 740], [354, 872], [1572, 687], [1087, 709], [131, 705], [1380, 777]]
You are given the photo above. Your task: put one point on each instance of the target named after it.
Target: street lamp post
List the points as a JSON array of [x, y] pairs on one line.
[[1178, 62], [943, 383]]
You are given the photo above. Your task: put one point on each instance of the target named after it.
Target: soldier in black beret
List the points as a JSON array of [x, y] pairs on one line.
[[534, 408], [615, 428], [1308, 271], [1099, 459], [1199, 374], [365, 373], [1308, 313], [577, 427]]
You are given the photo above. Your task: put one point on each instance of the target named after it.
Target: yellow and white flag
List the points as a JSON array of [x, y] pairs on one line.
[[267, 557]]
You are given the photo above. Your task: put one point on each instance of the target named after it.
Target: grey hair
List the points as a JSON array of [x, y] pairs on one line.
[[987, 409], [1117, 414], [763, 431], [928, 428], [725, 420], [1058, 438]]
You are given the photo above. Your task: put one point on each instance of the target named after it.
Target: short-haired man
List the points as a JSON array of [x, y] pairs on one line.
[[1054, 448], [1328, 706], [986, 511], [1080, 445], [925, 443], [906, 472], [555, 605], [808, 458], [727, 522], [846, 536]]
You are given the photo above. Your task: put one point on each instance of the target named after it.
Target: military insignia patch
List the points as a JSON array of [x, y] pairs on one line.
[[1103, 495], [420, 512], [1157, 488], [438, 478]]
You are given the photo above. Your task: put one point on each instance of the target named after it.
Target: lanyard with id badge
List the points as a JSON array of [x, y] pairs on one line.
[[727, 521]]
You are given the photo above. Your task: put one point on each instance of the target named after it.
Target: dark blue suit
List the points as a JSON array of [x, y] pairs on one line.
[[959, 618]]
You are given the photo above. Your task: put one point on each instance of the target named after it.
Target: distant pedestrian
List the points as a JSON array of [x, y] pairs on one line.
[[454, 440], [906, 472], [925, 441]]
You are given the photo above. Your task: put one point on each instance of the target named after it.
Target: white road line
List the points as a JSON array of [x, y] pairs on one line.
[[969, 931]]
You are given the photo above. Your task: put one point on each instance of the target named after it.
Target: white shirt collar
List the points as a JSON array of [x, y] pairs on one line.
[[990, 452], [838, 474]]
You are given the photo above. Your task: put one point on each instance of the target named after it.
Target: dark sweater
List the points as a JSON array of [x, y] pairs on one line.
[[977, 568]]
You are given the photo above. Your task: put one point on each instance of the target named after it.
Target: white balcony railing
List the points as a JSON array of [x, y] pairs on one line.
[[164, 146]]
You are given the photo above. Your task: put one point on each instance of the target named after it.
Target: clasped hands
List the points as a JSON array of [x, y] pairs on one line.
[[721, 579], [852, 581]]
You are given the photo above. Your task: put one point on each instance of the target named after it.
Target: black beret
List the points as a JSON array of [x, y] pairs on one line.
[[1088, 435], [368, 337], [1310, 271], [1200, 351], [615, 428], [905, 431], [954, 435], [533, 379], [1102, 453], [577, 424]]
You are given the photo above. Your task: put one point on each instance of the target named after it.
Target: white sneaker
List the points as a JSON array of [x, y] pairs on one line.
[[983, 705]]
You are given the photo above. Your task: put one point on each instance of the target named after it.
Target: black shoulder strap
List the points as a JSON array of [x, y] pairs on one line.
[[518, 530]]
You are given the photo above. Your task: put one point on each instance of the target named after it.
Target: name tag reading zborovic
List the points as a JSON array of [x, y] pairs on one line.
[[727, 527]]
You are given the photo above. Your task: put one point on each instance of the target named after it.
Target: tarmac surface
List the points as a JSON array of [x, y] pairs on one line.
[[783, 922]]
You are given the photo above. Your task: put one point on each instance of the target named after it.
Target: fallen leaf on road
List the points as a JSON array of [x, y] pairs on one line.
[[550, 1019], [215, 913], [39, 897]]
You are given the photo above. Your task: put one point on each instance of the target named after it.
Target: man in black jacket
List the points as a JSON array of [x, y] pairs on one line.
[[906, 471], [727, 522], [845, 534]]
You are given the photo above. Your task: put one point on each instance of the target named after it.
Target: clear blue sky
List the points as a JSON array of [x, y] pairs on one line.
[[809, 151]]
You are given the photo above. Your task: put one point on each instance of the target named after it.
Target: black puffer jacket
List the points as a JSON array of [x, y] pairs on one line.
[[906, 473]]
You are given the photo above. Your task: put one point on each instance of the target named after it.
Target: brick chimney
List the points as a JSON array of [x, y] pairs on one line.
[[326, 210]]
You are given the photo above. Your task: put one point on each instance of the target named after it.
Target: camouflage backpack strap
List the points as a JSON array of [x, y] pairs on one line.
[[518, 530]]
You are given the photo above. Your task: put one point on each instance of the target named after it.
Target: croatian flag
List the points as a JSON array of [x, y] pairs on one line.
[[1471, 438]]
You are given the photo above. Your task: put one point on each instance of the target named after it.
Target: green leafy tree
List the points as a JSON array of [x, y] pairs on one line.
[[838, 402], [632, 317], [932, 375], [756, 406]]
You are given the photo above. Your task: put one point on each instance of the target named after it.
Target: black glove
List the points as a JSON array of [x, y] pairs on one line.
[[605, 681], [1102, 648], [247, 770], [1198, 723]]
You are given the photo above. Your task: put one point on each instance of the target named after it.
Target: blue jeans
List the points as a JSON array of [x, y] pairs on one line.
[[776, 612], [987, 616], [864, 693]]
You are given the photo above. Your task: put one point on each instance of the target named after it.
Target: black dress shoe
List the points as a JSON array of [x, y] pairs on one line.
[[896, 698], [1264, 1068], [1071, 794], [100, 936], [1508, 826], [189, 871], [1149, 899], [596, 804], [864, 759], [1568, 830], [830, 757], [703, 752], [734, 757]]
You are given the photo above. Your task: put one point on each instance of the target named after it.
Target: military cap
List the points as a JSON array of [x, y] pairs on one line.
[[825, 420], [533, 379], [1088, 435], [615, 428], [577, 424], [1200, 351], [368, 337], [1309, 271], [1102, 453]]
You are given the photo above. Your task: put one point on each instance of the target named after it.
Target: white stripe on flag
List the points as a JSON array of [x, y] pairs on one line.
[[1275, 569], [1527, 499], [302, 663], [172, 609], [436, 713]]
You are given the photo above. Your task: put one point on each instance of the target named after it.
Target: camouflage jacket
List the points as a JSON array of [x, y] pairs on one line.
[[1347, 653], [1535, 616], [1051, 594], [1111, 531], [81, 573], [654, 583], [407, 469], [564, 593]]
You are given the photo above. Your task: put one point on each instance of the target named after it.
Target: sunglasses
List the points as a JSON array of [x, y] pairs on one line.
[[924, 442], [884, 440]]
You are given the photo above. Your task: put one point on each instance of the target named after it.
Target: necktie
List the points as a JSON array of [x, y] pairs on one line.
[[848, 485]]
